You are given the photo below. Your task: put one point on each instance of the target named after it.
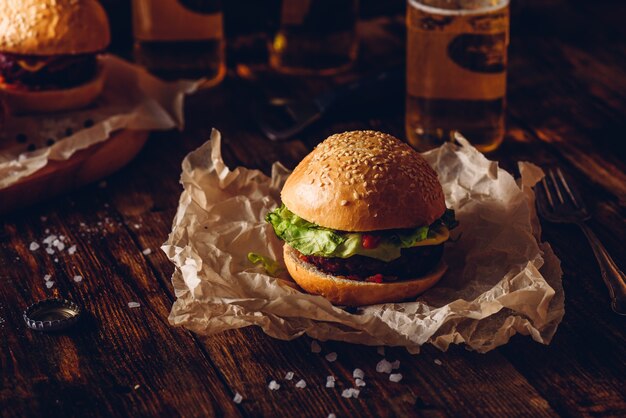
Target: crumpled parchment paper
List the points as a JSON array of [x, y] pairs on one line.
[[502, 280], [131, 99]]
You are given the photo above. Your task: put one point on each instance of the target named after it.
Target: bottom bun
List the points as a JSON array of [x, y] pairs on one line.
[[348, 292], [47, 101]]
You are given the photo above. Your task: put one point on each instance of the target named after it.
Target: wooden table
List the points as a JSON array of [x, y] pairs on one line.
[[567, 105]]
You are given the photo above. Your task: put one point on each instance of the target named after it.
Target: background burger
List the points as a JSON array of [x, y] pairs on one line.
[[364, 220], [48, 53]]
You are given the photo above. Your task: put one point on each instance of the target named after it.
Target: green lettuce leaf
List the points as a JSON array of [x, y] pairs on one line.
[[270, 265], [312, 239]]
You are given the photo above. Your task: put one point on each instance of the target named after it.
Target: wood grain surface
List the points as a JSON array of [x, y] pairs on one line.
[[567, 106]]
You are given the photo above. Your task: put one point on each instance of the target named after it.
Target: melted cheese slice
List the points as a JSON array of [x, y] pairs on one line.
[[441, 235], [34, 67]]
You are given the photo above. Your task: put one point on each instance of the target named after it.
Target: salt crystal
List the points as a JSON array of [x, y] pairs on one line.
[[289, 376], [273, 385], [49, 284], [134, 304], [358, 373], [34, 246], [78, 279], [238, 398], [359, 382], [350, 393], [43, 218], [49, 239], [47, 277], [315, 347], [383, 366], [330, 382], [395, 377], [301, 384], [438, 362], [49, 250], [71, 250], [62, 237], [331, 356], [60, 246], [137, 387], [381, 350], [47, 231], [56, 260], [331, 415], [395, 365], [147, 251]]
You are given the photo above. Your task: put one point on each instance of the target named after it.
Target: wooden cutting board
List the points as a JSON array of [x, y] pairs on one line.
[[86, 166]]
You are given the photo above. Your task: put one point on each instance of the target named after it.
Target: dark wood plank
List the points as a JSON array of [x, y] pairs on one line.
[[118, 358]]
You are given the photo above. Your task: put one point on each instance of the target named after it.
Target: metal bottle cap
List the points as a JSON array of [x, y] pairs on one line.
[[52, 315]]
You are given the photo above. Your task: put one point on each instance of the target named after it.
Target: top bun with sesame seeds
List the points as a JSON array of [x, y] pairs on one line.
[[364, 181], [52, 27]]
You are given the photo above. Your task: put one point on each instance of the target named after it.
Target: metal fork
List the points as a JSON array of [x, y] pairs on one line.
[[559, 201]]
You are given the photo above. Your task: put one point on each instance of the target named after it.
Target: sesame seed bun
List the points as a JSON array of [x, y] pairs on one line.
[[26, 101], [52, 27], [342, 291], [364, 181]]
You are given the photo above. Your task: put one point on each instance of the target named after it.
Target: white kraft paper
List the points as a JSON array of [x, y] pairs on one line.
[[501, 280]]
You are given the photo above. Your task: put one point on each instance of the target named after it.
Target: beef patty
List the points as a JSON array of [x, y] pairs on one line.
[[414, 262]]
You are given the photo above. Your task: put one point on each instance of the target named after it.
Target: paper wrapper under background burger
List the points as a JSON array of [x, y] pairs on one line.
[[131, 99], [501, 279]]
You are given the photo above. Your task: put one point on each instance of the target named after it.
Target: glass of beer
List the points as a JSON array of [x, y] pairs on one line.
[[456, 71], [315, 37], [180, 38]]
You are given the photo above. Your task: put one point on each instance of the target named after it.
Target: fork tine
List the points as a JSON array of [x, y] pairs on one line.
[[556, 186], [546, 190], [567, 188]]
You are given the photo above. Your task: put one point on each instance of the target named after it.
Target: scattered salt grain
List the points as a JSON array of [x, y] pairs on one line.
[[78, 279], [273, 385], [438, 362], [395, 365], [34, 246], [47, 277], [49, 250], [383, 366], [134, 304], [147, 251], [315, 347], [56, 260], [237, 398], [358, 373], [289, 376], [47, 231], [359, 382], [381, 350], [137, 387], [350, 393], [71, 250], [43, 218], [331, 356], [395, 377], [60, 246], [137, 226], [49, 239], [49, 284], [330, 382], [331, 415], [301, 384]]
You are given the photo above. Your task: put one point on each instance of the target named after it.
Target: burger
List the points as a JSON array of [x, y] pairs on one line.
[[363, 221], [48, 53]]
